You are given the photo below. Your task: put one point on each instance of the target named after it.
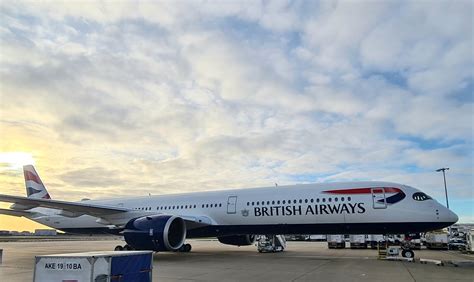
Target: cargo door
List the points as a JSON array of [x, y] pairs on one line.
[[378, 198], [232, 205]]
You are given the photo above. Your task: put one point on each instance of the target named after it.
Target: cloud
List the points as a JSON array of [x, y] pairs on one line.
[[123, 99]]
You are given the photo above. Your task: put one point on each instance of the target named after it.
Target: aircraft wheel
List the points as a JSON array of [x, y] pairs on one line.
[[187, 248], [118, 248], [127, 248], [408, 254]]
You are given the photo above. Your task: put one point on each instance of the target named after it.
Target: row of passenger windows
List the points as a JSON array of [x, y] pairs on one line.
[[182, 207], [300, 201], [278, 202]]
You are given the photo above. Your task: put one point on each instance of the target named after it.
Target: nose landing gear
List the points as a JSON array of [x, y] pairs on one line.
[[408, 254], [407, 249]]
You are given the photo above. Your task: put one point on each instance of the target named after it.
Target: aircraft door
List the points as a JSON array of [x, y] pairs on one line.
[[378, 198], [232, 205]]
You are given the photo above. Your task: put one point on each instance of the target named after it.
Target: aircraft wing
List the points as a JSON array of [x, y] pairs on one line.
[[72, 207], [14, 212]]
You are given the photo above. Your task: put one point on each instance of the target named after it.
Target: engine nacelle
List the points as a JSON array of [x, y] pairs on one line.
[[237, 240], [156, 232]]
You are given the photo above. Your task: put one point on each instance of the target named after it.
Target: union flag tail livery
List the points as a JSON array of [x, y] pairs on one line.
[[34, 186]]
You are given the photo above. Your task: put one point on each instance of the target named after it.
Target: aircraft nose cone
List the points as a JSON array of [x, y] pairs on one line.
[[452, 217]]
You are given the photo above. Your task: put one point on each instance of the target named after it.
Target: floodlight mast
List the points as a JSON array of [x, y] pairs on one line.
[[443, 169]]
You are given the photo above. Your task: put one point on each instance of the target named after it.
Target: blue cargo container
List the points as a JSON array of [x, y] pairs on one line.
[[95, 267]]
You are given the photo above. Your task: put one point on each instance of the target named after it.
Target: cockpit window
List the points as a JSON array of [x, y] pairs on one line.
[[419, 196]]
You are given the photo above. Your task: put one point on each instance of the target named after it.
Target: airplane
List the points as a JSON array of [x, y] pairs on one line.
[[235, 217]]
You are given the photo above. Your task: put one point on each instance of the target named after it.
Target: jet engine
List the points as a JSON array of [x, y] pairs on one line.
[[156, 232], [237, 240]]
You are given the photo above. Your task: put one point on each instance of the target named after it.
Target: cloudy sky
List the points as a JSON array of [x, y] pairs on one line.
[[119, 99]]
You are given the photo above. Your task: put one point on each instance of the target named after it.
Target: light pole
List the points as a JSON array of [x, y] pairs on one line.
[[443, 169]]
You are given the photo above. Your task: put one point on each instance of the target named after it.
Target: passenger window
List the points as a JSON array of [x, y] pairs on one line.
[[349, 199], [330, 199], [324, 200], [253, 203], [312, 200], [305, 201], [273, 202], [317, 200], [301, 201], [220, 205], [278, 202], [342, 199], [294, 201], [248, 203], [335, 199], [283, 201]]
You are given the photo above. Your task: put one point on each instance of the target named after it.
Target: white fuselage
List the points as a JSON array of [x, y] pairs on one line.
[[316, 208]]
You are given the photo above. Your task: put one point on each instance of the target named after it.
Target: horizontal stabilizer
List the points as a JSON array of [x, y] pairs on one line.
[[14, 212]]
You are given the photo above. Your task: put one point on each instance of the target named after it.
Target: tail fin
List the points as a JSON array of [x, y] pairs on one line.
[[34, 186]]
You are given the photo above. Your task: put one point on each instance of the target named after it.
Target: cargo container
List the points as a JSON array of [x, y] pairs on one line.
[[358, 242], [95, 267], [336, 241], [375, 240], [470, 241], [46, 232], [317, 237], [436, 240]]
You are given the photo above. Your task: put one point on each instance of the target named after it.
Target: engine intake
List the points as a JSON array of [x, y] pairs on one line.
[[237, 240], [156, 232]]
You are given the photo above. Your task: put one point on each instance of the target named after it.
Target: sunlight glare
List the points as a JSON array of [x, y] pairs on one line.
[[15, 160]]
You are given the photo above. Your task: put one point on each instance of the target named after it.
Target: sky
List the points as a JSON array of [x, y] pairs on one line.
[[116, 98]]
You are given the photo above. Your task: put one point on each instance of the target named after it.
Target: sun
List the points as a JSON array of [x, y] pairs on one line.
[[15, 160]]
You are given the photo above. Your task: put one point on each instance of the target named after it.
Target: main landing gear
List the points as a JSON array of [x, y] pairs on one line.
[[124, 248], [186, 248]]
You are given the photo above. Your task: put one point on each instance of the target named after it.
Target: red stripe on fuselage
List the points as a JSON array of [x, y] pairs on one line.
[[376, 190], [29, 176]]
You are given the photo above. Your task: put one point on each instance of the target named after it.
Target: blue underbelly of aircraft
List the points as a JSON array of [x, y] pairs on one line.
[[329, 228]]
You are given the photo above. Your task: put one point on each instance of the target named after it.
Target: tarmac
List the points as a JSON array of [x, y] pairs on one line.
[[211, 261]]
